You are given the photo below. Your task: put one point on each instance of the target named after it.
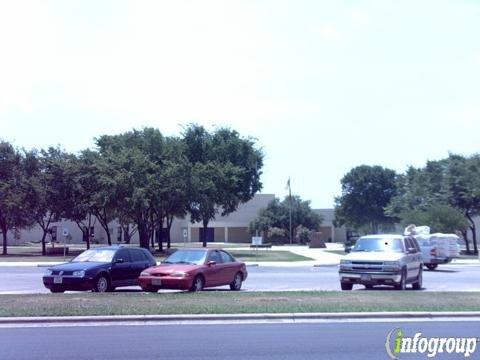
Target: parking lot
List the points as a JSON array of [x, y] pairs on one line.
[[24, 280]]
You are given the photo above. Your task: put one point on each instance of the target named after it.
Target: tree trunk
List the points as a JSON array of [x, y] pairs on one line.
[[474, 233], [467, 243], [159, 233], [204, 235], [169, 226], [4, 233], [44, 246], [126, 233]]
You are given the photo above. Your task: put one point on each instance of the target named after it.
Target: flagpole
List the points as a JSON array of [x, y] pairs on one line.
[[290, 201]]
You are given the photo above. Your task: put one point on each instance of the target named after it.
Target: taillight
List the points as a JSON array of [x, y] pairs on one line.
[[433, 252]]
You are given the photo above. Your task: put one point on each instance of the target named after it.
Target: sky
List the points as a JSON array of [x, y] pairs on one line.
[[323, 86]]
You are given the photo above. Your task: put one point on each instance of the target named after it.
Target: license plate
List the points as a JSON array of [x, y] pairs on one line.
[[366, 277], [156, 282], [57, 280]]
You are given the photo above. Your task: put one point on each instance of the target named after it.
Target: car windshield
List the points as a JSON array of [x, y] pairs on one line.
[[193, 257], [95, 256], [379, 245]]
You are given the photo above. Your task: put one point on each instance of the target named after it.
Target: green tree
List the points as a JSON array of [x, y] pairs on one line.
[[14, 212], [277, 215], [440, 218], [46, 187], [366, 192], [225, 171]]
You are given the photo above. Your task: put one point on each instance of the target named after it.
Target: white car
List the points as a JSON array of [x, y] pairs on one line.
[[394, 260]]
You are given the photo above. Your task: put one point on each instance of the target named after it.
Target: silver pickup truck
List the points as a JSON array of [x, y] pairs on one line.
[[382, 260]]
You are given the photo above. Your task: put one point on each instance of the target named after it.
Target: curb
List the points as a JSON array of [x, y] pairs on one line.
[[236, 317]]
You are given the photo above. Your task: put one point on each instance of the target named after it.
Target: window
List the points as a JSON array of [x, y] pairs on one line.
[[227, 258], [123, 254], [137, 255], [215, 256]]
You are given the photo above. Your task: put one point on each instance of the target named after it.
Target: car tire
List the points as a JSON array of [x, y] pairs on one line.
[[102, 284], [403, 281], [197, 284], [346, 286], [417, 285], [57, 290], [431, 267], [236, 284], [369, 287]]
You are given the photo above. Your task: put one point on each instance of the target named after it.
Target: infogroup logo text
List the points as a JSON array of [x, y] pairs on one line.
[[397, 343]]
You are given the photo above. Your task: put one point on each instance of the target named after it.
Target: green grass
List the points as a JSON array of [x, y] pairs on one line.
[[226, 302], [267, 255]]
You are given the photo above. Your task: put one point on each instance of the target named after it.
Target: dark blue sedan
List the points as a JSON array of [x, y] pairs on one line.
[[100, 269]]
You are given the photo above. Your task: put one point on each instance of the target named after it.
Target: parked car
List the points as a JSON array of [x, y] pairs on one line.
[[100, 269], [382, 260], [194, 270], [438, 249]]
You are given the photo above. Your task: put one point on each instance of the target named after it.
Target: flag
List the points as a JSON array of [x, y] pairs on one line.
[[288, 187]]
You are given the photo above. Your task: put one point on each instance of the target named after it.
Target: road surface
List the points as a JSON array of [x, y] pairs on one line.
[[447, 278], [234, 342]]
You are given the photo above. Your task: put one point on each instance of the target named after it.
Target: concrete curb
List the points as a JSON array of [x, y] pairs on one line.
[[236, 317]]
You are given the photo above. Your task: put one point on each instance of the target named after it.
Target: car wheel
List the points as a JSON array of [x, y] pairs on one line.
[[417, 285], [431, 267], [369, 287], [346, 286], [236, 284], [101, 284], [57, 290], [403, 281], [198, 284]]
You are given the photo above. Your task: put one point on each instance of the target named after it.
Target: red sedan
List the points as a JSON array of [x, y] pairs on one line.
[[194, 270]]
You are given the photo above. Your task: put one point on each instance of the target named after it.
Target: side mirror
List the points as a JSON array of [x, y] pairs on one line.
[[411, 250], [211, 263], [348, 249]]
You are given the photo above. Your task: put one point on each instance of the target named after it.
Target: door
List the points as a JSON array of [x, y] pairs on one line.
[[228, 268], [121, 268], [139, 263], [213, 276]]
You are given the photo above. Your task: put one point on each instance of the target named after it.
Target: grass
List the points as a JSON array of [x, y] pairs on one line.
[[226, 302], [267, 255]]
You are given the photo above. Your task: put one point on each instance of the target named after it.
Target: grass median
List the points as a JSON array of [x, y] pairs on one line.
[[226, 302]]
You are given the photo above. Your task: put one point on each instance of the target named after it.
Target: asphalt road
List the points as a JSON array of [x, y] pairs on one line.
[[446, 278], [238, 341]]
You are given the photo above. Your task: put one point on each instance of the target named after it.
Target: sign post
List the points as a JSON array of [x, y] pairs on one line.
[[65, 234], [185, 236], [256, 242]]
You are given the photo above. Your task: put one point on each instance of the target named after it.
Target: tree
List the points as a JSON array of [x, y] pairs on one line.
[[45, 184], [366, 192], [463, 186], [433, 190], [440, 218], [277, 216], [14, 213], [225, 171]]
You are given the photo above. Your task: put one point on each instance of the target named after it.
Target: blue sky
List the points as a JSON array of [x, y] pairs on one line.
[[323, 85]]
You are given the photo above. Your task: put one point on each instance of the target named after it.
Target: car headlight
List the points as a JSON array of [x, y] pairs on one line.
[[392, 266], [345, 262], [145, 273], [80, 273], [48, 272], [179, 274]]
